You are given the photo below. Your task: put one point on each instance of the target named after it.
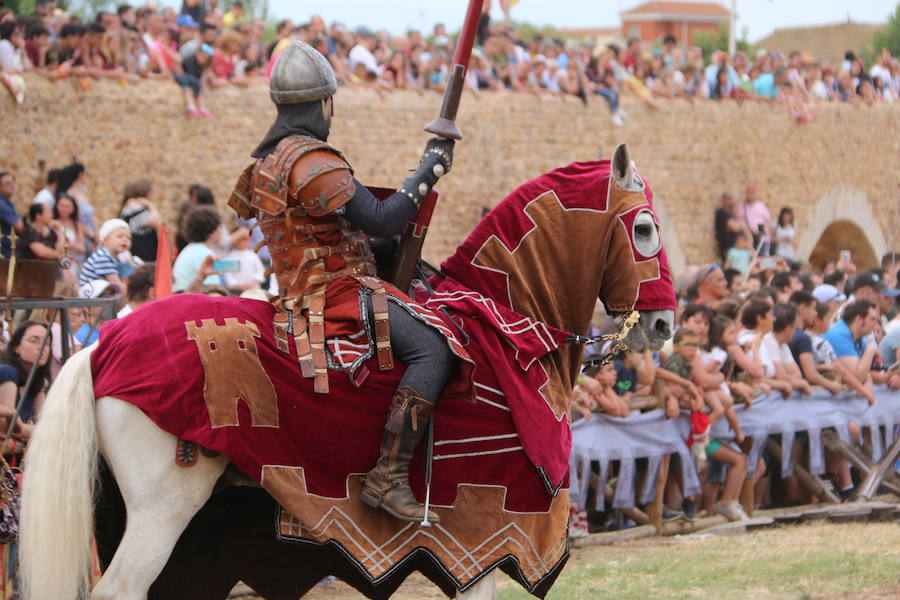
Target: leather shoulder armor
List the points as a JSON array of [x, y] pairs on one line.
[[322, 181], [302, 172], [241, 194]]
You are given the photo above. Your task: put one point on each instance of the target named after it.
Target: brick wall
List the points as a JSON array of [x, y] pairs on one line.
[[690, 152]]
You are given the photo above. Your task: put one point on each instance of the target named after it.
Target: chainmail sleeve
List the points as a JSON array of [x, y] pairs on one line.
[[379, 218]]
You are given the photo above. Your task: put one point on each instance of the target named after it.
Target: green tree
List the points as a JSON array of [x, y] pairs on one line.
[[887, 37], [88, 9], [20, 7], [710, 42], [253, 9]]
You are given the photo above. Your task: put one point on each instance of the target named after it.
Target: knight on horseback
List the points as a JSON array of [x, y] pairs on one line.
[[316, 219]]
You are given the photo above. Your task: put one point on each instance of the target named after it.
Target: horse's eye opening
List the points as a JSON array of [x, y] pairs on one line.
[[645, 234]]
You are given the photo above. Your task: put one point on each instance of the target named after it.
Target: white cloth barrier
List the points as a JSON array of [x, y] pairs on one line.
[[650, 435], [773, 414]]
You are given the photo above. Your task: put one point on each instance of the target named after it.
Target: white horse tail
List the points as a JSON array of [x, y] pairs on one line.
[[57, 521]]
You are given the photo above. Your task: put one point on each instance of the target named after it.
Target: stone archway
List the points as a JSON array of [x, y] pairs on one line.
[[843, 220], [844, 235]]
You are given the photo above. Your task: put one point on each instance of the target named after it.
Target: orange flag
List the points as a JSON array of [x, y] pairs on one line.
[[162, 280]]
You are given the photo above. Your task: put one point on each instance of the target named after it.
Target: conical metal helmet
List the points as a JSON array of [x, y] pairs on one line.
[[301, 74]]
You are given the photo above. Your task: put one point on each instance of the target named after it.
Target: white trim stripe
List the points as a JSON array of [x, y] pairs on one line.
[[486, 438], [486, 452], [488, 388], [494, 404]]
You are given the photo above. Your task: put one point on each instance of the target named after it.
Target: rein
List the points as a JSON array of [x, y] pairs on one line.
[[627, 323]]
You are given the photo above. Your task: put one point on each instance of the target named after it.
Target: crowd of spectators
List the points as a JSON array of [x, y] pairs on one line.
[[97, 259], [202, 48], [758, 322]]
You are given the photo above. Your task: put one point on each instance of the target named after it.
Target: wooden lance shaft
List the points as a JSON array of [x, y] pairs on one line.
[[413, 238], [445, 124]]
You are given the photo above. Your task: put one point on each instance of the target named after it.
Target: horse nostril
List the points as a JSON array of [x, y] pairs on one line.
[[661, 328]]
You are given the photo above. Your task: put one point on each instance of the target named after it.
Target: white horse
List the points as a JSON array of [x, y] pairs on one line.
[[160, 497]]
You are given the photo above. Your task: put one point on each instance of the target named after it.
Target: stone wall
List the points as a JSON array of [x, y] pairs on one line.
[[690, 152]]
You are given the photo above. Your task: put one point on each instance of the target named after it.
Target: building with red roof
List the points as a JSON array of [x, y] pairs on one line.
[[650, 21]]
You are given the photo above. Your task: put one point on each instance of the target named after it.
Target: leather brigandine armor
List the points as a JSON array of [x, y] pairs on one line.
[[294, 193]]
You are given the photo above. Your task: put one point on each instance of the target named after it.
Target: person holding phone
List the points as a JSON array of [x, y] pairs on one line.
[[250, 273], [194, 265]]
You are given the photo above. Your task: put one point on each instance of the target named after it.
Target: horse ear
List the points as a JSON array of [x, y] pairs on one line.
[[621, 167]]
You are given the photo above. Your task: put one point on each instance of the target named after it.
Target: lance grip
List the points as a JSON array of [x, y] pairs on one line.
[[445, 124]]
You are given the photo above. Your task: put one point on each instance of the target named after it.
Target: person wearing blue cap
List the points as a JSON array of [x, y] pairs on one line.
[[190, 80], [186, 22]]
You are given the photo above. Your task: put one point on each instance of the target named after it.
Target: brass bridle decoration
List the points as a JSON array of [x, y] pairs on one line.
[[627, 323]]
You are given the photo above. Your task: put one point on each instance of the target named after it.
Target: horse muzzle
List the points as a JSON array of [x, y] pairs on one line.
[[654, 328]]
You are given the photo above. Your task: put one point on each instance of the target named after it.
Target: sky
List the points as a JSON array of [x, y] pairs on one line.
[[760, 17]]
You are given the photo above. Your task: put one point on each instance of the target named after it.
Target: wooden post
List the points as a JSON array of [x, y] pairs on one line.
[[635, 514], [869, 487], [858, 460], [655, 508], [810, 482]]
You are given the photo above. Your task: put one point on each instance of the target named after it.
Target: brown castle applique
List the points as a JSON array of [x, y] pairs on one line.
[[233, 372]]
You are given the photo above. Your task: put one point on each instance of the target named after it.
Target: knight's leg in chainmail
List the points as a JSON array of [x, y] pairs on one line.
[[429, 364], [425, 352]]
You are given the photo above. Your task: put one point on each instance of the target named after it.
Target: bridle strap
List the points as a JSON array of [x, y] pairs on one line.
[[627, 323]]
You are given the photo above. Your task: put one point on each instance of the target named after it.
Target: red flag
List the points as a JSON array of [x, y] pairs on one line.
[[162, 280]]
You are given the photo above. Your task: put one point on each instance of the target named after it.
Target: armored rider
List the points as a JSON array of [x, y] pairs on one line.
[[317, 220]]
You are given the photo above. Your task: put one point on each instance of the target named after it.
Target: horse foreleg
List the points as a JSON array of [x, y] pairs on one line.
[[485, 589], [160, 497]]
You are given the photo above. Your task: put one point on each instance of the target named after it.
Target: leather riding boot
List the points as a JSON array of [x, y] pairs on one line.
[[387, 485]]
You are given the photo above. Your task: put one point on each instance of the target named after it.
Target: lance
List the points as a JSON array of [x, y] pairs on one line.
[[445, 124], [413, 237]]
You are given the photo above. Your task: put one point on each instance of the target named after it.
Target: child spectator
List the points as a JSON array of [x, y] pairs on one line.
[[142, 217], [677, 371], [202, 229], [194, 68], [104, 265], [739, 256], [710, 373], [599, 383], [583, 404], [683, 393], [626, 376], [140, 290], [251, 274], [37, 42]]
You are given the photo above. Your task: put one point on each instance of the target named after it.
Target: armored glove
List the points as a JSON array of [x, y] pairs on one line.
[[436, 161]]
